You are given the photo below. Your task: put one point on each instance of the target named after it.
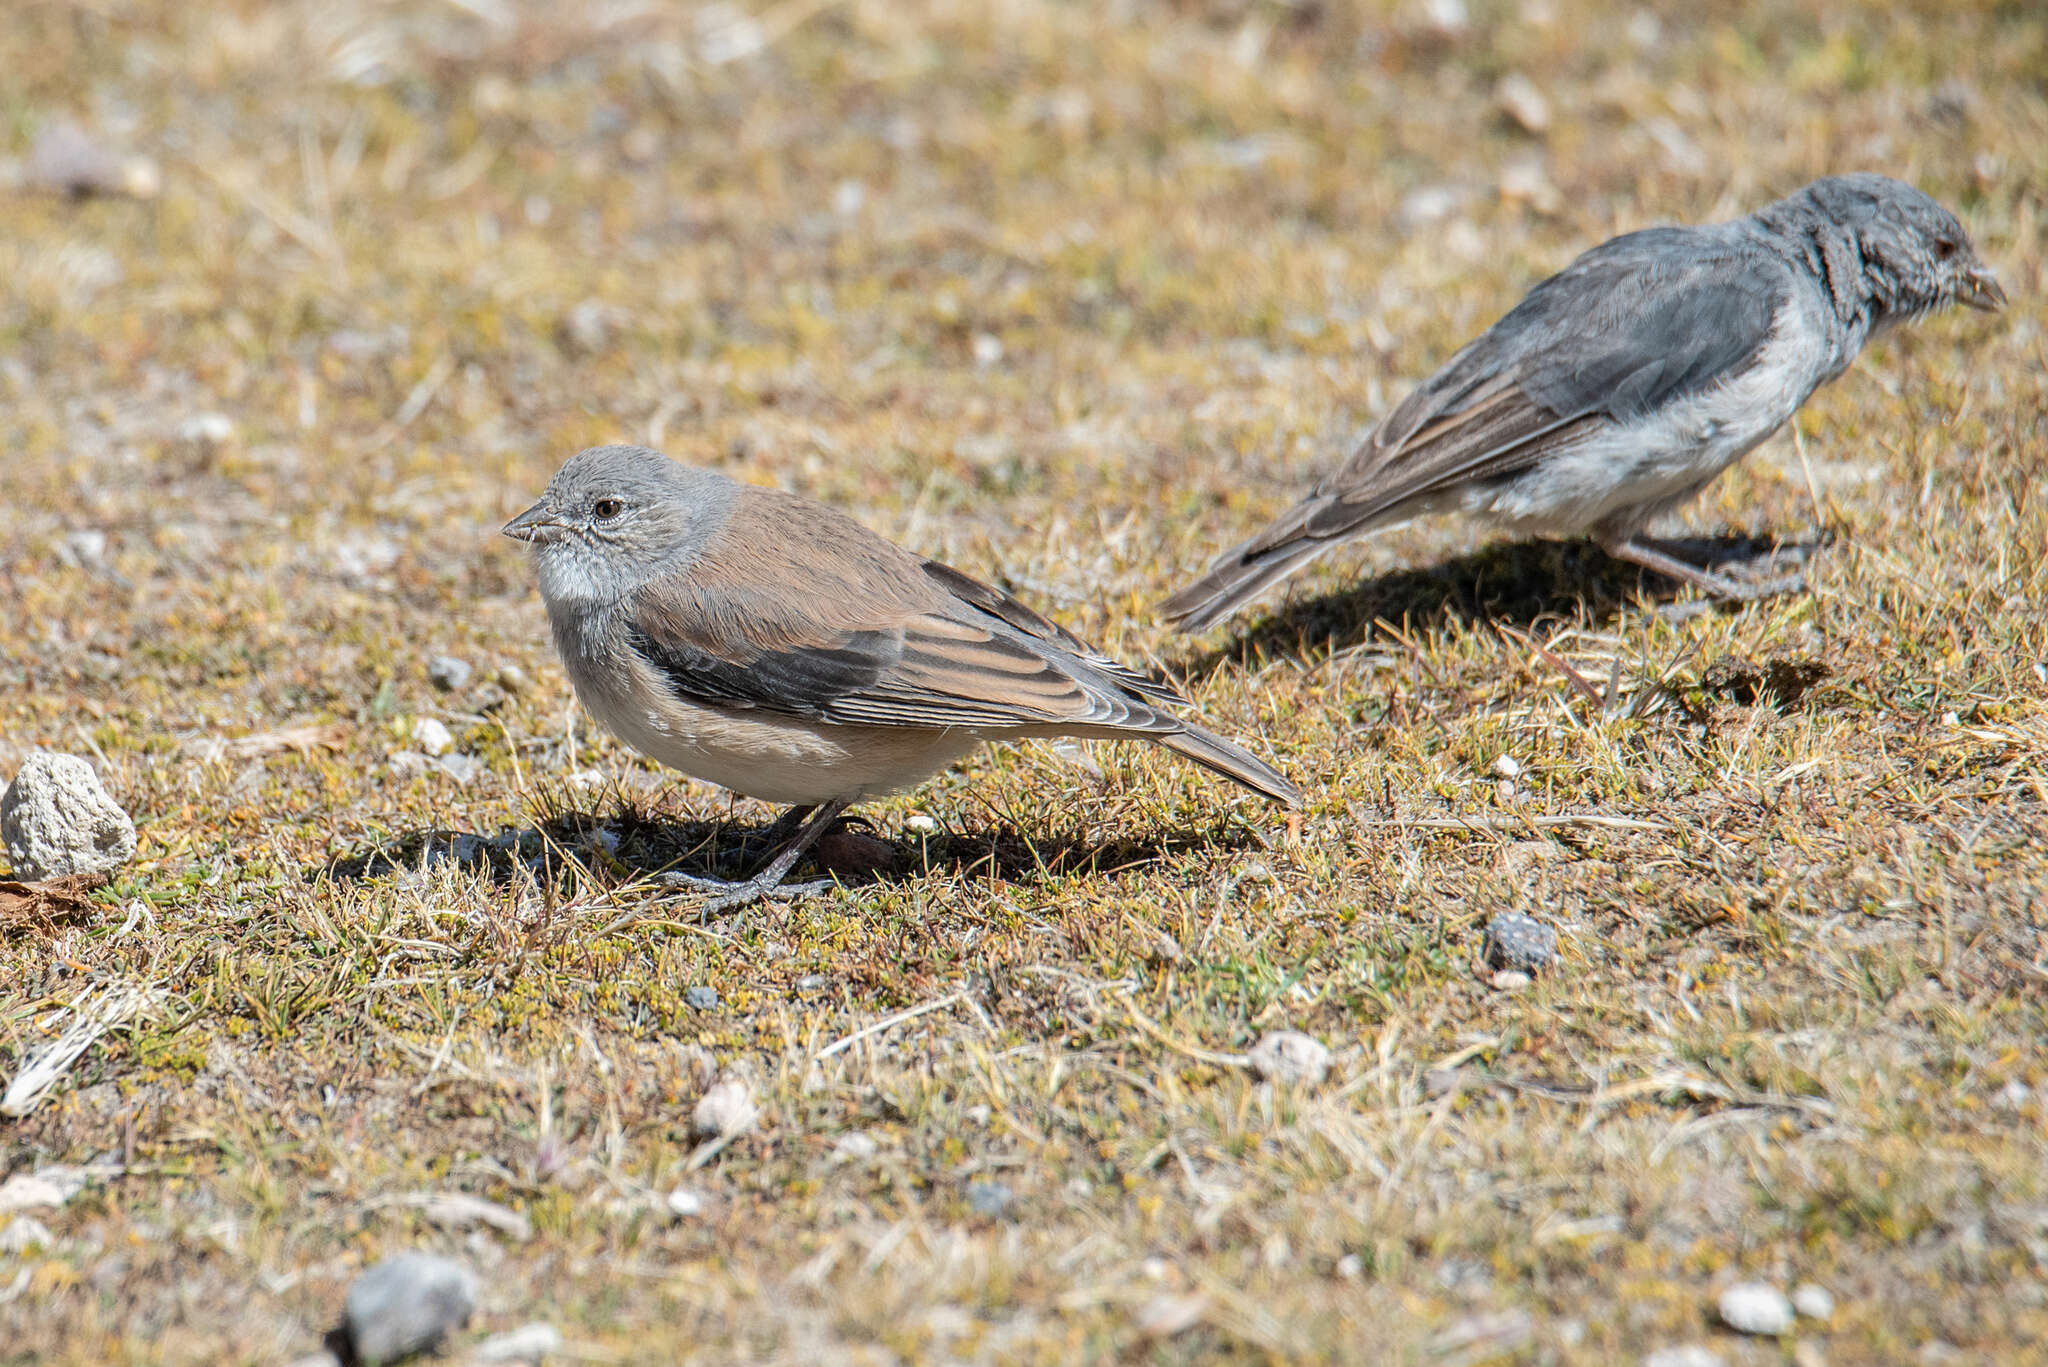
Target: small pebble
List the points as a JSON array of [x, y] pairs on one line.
[[448, 672], [701, 998], [1290, 1056], [992, 1199], [1521, 101], [529, 1343], [1686, 1355], [725, 1110], [1814, 1302], [56, 820], [431, 737], [47, 1188], [1755, 1308], [405, 1305], [1507, 766], [1166, 1315], [462, 768], [1510, 980], [813, 982], [67, 159], [855, 1147], [513, 679], [686, 1203], [208, 431], [586, 328], [920, 824], [1519, 943]]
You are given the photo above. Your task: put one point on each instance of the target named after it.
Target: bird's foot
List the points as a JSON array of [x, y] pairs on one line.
[[733, 893], [1728, 582]]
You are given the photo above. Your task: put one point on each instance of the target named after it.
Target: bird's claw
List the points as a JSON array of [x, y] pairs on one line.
[[735, 893]]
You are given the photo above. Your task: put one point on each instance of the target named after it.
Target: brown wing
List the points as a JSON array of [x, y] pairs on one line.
[[846, 627]]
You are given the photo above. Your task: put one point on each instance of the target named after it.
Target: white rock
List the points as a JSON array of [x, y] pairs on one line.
[[1755, 1308], [207, 429], [528, 1343], [448, 672], [1507, 766], [856, 1146], [1685, 1355], [686, 1203], [405, 1305], [431, 737], [1166, 1315], [726, 1109], [988, 349], [1290, 1056], [44, 1189], [56, 820], [1511, 980], [919, 822], [1523, 102], [1814, 1302]]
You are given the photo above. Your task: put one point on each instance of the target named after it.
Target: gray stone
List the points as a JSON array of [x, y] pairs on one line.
[[1290, 1056], [701, 998], [57, 820], [1756, 1308], [529, 1343], [992, 1199], [1685, 1355], [724, 1110], [1519, 944], [1814, 1302], [432, 737], [448, 672], [405, 1305]]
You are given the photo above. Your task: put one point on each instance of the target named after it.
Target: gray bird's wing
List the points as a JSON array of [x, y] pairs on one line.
[[879, 638], [1635, 323]]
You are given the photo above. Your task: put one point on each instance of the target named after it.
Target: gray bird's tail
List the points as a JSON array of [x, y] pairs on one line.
[[1248, 569], [1218, 755]]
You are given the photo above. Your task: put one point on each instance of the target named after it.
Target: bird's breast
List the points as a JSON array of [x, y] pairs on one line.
[[752, 751]]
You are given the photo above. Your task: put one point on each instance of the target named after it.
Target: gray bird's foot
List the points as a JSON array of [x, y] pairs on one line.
[[1715, 582], [811, 822], [733, 893]]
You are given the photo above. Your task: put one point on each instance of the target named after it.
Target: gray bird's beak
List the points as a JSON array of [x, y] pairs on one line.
[[537, 525], [1981, 290]]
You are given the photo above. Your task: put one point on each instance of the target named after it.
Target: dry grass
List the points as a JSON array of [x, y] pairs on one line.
[[1069, 295]]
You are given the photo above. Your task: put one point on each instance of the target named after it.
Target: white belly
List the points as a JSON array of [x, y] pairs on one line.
[[1621, 477], [777, 759]]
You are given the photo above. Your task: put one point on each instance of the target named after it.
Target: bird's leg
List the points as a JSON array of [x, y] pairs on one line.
[[772, 837], [1639, 552], [768, 882]]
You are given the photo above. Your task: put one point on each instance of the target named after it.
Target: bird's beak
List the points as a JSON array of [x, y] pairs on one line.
[[1981, 290], [537, 526]]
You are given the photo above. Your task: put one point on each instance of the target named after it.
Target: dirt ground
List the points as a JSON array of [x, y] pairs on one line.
[[1070, 296]]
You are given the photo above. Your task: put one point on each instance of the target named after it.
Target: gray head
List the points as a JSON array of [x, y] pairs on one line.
[[615, 517], [1910, 254]]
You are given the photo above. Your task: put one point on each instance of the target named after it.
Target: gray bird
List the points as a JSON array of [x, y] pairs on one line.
[[780, 649], [1622, 385]]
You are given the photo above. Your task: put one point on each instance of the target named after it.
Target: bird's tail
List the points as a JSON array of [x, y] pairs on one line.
[[1218, 755], [1247, 570]]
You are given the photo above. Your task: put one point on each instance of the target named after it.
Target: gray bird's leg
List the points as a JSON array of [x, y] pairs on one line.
[[1639, 552], [768, 882]]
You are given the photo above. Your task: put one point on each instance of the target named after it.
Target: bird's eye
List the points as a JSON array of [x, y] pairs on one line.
[[605, 509], [1944, 248]]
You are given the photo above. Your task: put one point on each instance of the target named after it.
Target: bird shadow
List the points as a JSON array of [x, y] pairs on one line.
[[627, 846], [1513, 583]]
